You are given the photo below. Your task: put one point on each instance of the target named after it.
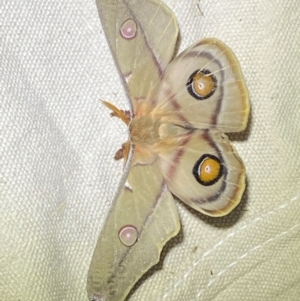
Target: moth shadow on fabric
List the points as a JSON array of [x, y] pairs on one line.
[[226, 221], [244, 135], [160, 265], [220, 222]]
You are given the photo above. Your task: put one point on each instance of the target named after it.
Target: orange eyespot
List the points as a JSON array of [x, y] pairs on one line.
[[208, 170], [201, 84]]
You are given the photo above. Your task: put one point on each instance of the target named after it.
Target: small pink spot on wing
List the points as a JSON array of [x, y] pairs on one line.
[[128, 29], [128, 235]]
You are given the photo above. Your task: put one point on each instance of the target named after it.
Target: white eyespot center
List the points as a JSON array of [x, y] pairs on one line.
[[208, 169], [128, 236], [128, 29]]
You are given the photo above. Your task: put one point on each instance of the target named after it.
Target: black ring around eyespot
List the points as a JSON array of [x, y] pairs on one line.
[[198, 164], [190, 86]]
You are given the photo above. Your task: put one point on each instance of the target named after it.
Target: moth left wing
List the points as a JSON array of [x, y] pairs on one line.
[[142, 37], [204, 171], [143, 218], [203, 87]]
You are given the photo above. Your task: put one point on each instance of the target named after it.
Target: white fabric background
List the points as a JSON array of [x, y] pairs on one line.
[[58, 178]]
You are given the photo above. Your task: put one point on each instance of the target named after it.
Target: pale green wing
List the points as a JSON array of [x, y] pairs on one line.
[[204, 88], [142, 36], [143, 218]]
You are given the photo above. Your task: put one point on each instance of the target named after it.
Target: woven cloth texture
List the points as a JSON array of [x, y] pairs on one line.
[[58, 177]]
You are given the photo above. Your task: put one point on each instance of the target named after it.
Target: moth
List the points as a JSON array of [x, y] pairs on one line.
[[179, 112]]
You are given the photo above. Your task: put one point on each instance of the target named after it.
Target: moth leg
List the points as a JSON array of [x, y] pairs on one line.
[[122, 114], [126, 113], [123, 152]]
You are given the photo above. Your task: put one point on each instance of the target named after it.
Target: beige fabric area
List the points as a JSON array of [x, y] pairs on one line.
[[58, 178]]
